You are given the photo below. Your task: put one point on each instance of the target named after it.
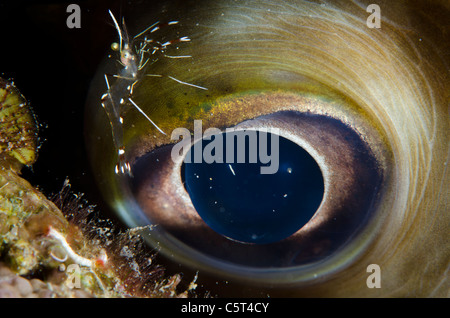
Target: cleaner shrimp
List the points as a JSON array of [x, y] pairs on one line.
[[132, 59]]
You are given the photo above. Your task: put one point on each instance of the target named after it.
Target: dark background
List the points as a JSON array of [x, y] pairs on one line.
[[53, 66]]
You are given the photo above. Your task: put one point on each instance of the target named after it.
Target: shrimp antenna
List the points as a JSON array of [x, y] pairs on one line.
[[125, 32], [145, 115], [153, 25], [117, 27]]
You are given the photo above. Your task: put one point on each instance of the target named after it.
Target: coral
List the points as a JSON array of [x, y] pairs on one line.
[[107, 259], [63, 248], [18, 128]]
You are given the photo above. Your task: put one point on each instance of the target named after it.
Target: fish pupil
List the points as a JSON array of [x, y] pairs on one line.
[[243, 204]]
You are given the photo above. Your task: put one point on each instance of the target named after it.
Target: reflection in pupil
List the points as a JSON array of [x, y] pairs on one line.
[[240, 202]]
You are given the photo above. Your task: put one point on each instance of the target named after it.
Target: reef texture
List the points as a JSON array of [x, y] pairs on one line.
[[60, 247]]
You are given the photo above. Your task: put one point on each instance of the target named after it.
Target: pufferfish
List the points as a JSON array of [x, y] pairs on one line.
[[369, 102]]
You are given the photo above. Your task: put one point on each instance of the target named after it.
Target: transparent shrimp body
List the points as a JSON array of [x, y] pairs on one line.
[[132, 63]]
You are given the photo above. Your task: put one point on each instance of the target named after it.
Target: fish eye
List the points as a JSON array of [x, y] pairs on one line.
[[352, 182], [290, 73]]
